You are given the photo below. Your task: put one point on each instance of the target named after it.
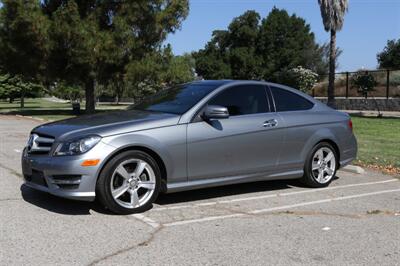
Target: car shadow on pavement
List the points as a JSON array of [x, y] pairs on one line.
[[60, 205], [228, 190], [72, 207]]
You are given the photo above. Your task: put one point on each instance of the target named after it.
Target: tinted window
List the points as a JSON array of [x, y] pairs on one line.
[[176, 100], [242, 100], [289, 101]]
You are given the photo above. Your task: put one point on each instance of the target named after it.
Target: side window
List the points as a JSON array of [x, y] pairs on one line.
[[289, 101], [243, 100]]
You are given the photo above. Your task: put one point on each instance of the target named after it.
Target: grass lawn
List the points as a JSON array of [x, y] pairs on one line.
[[378, 142], [48, 110]]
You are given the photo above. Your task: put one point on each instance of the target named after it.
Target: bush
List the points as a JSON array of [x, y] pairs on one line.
[[394, 79], [364, 82], [300, 78]]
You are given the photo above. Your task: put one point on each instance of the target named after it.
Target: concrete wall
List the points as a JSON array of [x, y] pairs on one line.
[[367, 104]]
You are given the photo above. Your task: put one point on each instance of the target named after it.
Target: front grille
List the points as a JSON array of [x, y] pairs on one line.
[[39, 144], [37, 178]]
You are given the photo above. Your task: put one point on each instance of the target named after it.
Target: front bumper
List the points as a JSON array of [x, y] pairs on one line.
[[64, 176]]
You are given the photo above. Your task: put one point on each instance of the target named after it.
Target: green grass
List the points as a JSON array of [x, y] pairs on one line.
[[378, 141], [48, 110]]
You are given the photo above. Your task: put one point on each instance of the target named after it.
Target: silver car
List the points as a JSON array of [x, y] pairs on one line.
[[195, 135]]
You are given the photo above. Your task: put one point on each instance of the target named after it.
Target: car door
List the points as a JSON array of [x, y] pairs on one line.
[[247, 142], [300, 124]]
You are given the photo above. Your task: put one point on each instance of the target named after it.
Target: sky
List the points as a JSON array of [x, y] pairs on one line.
[[367, 26]]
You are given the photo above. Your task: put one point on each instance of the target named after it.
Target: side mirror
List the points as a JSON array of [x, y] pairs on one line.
[[215, 112]]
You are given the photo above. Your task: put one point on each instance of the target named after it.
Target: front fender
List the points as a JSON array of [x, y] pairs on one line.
[[169, 143]]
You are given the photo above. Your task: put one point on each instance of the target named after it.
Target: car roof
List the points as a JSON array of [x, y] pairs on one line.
[[219, 83], [216, 83]]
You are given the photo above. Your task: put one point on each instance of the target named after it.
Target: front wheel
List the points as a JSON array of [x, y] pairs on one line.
[[320, 166], [129, 183]]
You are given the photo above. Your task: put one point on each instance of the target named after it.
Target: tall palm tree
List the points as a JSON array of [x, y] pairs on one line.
[[332, 12]]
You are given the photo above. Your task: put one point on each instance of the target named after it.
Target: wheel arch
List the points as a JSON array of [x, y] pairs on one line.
[[318, 137], [334, 145], [160, 162]]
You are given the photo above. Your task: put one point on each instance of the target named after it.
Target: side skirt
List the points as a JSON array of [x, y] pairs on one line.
[[221, 181]]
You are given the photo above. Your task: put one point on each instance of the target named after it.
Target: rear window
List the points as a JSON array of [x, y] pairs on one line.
[[288, 101]]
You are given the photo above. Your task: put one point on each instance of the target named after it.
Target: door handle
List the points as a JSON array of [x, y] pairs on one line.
[[270, 123]]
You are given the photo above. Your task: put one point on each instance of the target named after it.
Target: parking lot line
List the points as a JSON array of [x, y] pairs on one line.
[[272, 195], [325, 201], [221, 217], [146, 220]]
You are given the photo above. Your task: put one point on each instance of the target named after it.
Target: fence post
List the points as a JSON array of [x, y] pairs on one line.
[[347, 85], [366, 92], [387, 83], [313, 92]]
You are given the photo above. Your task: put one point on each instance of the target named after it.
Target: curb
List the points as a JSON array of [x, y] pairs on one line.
[[353, 169], [32, 118]]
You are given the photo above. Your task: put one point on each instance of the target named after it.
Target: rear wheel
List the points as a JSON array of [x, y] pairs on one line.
[[129, 183], [320, 166]]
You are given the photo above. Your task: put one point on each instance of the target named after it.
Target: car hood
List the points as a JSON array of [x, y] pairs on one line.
[[106, 124]]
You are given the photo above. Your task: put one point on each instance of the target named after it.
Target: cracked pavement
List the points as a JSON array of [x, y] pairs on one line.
[[354, 221]]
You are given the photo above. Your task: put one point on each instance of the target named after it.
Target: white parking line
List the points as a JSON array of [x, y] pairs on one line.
[[221, 217], [271, 195], [205, 219], [18, 151], [146, 220]]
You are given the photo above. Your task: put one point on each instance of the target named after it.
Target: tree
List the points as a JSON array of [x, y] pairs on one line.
[[287, 42], [64, 91], [179, 69], [12, 87], [332, 12], [254, 49], [23, 42], [158, 70], [212, 62], [321, 67], [93, 41], [390, 56]]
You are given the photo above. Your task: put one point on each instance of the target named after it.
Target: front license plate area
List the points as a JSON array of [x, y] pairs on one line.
[[37, 178]]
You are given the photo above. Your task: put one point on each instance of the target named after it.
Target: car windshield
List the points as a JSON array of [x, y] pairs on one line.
[[176, 100]]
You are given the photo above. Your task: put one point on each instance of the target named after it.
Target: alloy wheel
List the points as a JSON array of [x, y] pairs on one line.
[[133, 183], [323, 165]]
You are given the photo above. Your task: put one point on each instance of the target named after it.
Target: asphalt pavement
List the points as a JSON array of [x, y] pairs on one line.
[[355, 221]]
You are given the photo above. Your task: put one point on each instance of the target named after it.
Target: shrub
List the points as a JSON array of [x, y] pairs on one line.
[[394, 78], [301, 78], [364, 82]]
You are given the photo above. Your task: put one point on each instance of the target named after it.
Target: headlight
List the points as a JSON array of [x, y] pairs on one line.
[[77, 146]]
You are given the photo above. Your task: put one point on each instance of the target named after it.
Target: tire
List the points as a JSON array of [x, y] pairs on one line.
[[129, 183], [314, 165]]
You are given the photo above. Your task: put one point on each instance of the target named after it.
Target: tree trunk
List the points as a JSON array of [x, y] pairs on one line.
[[119, 95], [22, 99], [332, 56], [89, 95]]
